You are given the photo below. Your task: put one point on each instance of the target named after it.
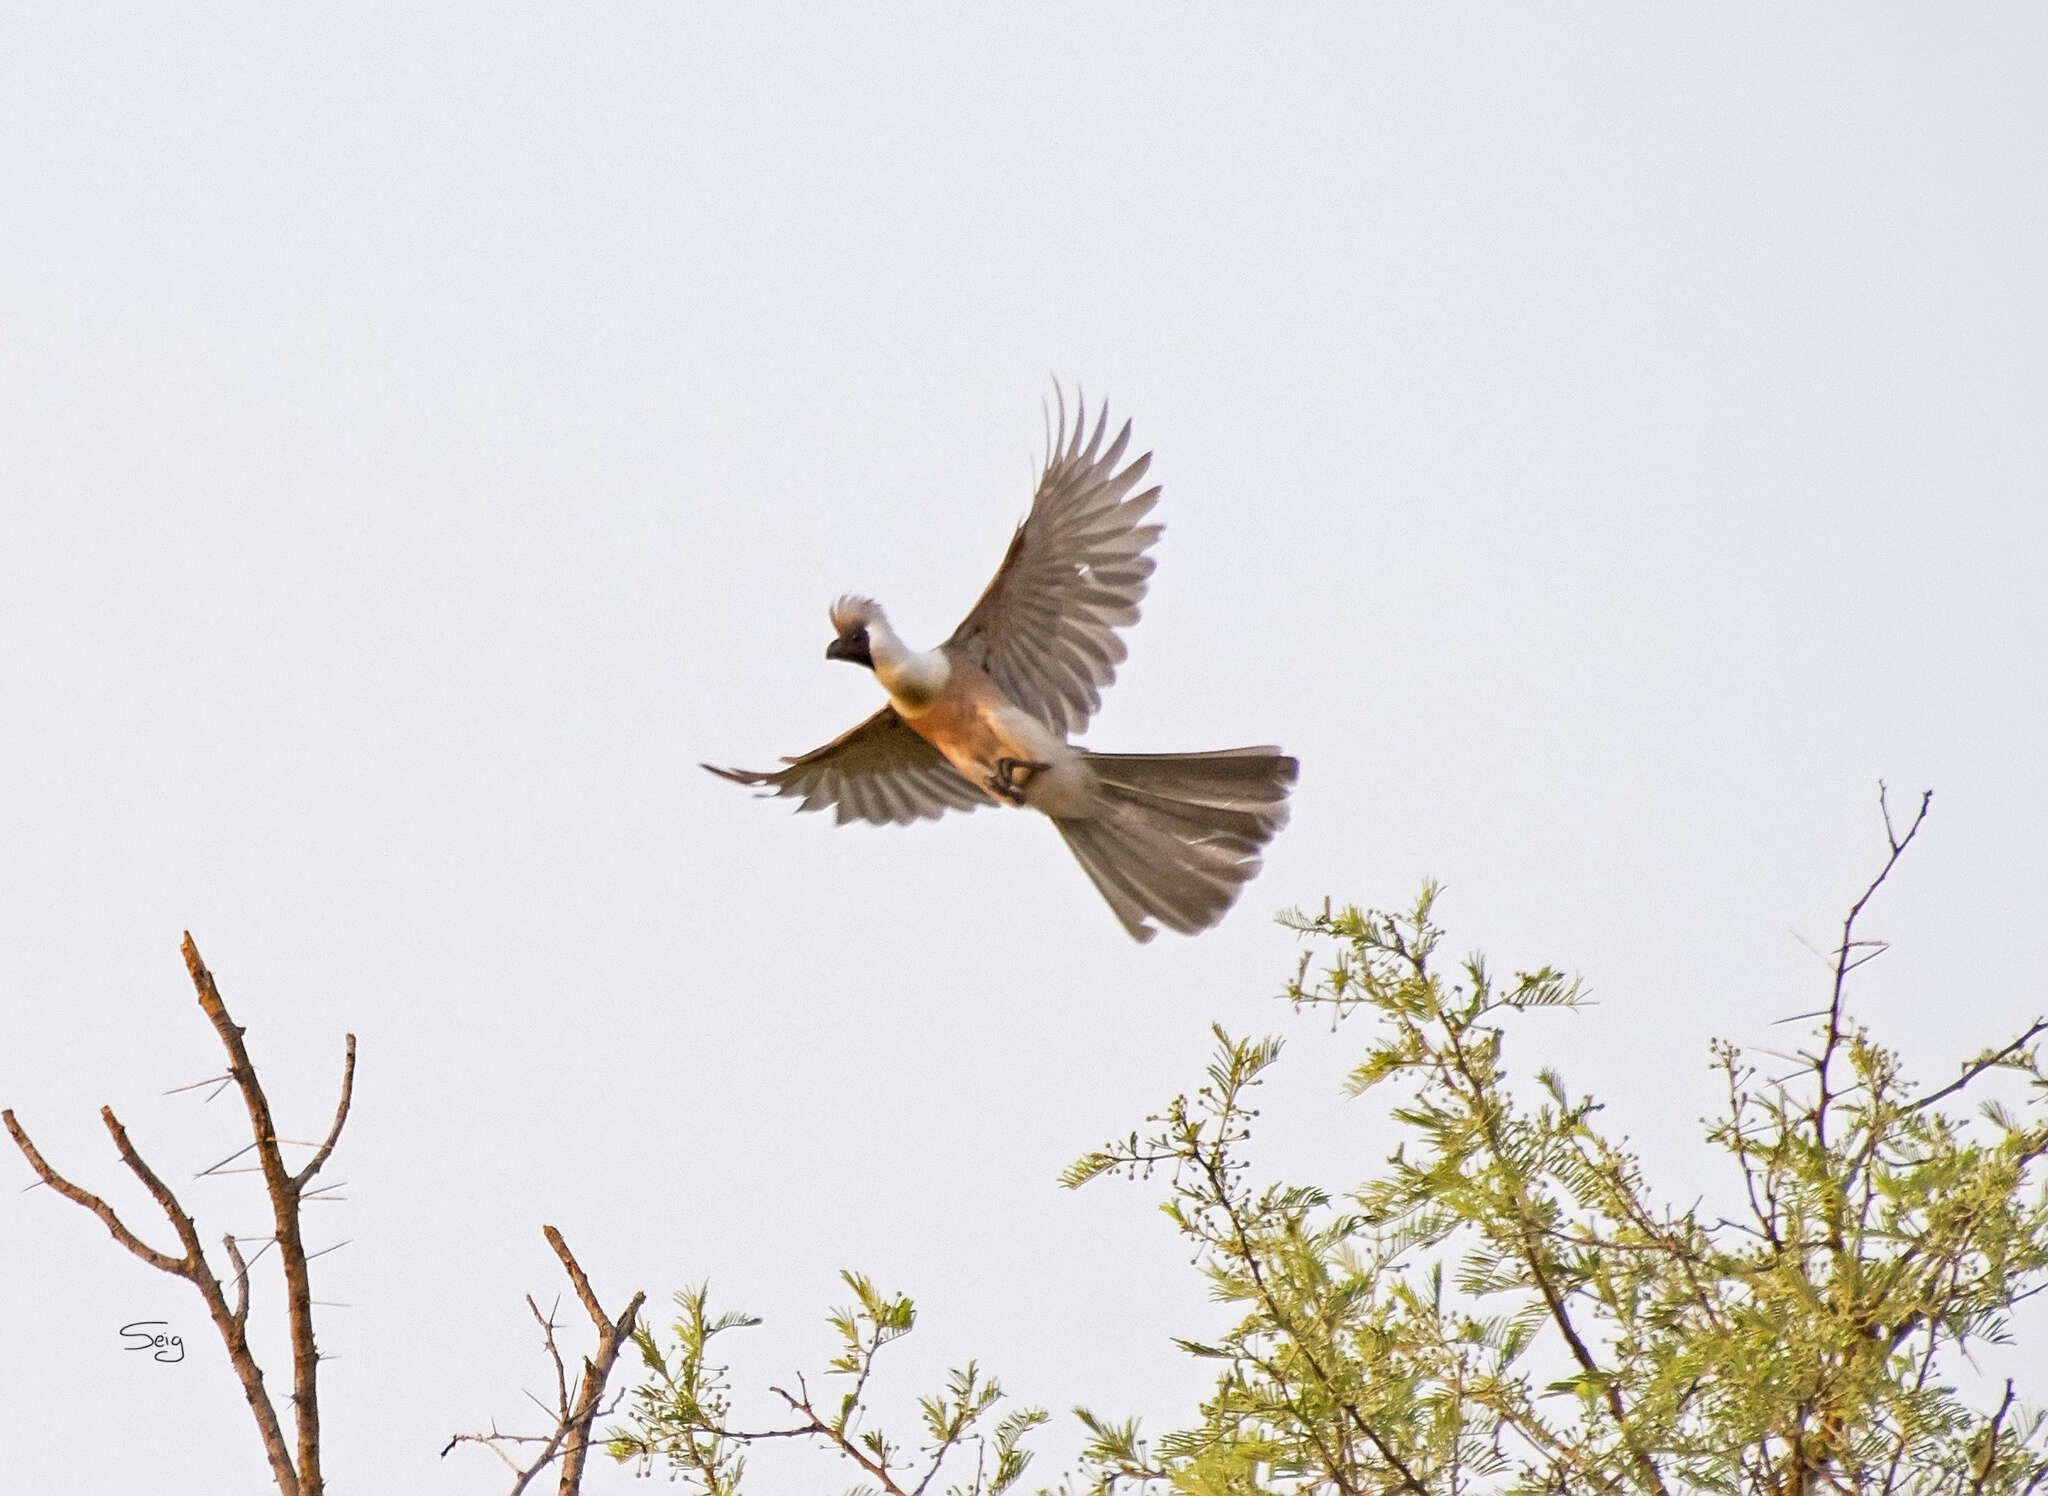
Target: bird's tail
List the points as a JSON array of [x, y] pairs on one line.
[[1174, 836]]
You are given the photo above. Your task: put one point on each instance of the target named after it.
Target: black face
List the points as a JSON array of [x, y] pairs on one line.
[[852, 646]]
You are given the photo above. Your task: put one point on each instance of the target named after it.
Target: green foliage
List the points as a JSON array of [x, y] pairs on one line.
[[1504, 1305], [680, 1417]]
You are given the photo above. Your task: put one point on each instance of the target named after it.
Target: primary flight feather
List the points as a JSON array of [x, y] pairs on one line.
[[984, 718]]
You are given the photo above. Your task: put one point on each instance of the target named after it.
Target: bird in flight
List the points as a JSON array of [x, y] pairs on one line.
[[984, 718]]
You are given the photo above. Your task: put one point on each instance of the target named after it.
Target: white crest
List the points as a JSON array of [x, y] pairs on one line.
[[850, 612]]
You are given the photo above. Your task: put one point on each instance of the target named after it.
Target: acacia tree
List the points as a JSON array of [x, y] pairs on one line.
[[680, 1416], [1506, 1306]]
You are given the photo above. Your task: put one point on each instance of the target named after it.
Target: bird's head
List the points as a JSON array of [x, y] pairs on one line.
[[850, 619]]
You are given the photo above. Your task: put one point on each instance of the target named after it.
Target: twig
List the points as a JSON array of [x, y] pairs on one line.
[[241, 1311], [1991, 1442], [569, 1440], [348, 1087], [1212, 1166], [1981, 1064], [1846, 963], [161, 1261], [818, 1427], [1536, 1263]]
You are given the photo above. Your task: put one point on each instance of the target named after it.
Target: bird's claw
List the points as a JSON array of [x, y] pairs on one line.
[[1004, 781]]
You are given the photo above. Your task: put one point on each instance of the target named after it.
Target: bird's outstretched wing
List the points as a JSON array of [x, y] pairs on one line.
[[1045, 629], [881, 771]]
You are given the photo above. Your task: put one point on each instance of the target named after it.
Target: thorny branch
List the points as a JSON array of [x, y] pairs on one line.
[[1847, 957], [569, 1440], [296, 1470]]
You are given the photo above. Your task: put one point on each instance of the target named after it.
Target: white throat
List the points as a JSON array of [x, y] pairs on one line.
[[912, 677]]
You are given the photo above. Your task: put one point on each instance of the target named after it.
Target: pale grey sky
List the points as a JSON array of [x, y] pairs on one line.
[[1600, 445]]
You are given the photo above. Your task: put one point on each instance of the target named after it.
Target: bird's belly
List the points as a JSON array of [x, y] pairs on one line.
[[976, 732], [967, 732]]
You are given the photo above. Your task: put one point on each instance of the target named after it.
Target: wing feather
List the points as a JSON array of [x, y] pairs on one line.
[[1045, 629], [881, 772]]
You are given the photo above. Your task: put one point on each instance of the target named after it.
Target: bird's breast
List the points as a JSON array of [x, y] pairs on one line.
[[976, 726]]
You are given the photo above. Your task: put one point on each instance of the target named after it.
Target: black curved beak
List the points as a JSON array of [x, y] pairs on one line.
[[852, 648]]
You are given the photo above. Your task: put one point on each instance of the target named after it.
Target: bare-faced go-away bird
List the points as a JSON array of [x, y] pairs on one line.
[[984, 718]]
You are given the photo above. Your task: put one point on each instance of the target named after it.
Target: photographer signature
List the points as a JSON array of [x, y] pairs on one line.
[[153, 1335]]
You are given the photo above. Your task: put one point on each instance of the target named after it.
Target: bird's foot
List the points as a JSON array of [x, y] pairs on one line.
[[1004, 781]]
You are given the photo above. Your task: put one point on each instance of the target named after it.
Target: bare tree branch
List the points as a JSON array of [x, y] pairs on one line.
[[283, 1190], [348, 1086], [162, 1261], [569, 1440], [297, 1472], [241, 1310], [1845, 959], [611, 1334]]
